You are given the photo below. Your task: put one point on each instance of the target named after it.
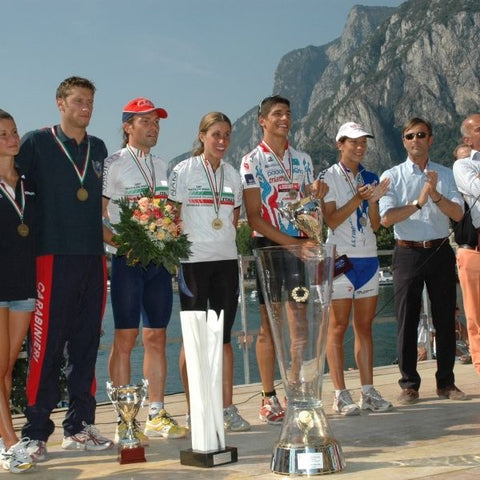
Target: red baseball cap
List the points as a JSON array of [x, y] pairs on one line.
[[140, 106]]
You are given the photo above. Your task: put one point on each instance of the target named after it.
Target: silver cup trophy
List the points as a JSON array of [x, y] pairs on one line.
[[296, 284], [127, 400]]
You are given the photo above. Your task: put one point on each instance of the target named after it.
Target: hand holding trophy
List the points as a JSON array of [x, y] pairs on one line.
[[306, 215]]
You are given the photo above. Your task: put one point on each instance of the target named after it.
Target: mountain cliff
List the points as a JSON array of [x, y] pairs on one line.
[[390, 64]]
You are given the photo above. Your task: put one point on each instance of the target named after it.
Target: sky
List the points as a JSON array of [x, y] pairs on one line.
[[187, 56]]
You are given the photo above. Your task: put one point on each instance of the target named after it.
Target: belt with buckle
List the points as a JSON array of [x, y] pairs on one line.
[[423, 244]]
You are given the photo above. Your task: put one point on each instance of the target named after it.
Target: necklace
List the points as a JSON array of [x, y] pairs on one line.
[[22, 229], [217, 223], [82, 192], [149, 180], [287, 173], [361, 212]]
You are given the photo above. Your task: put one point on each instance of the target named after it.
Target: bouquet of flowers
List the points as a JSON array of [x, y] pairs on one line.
[[149, 231]]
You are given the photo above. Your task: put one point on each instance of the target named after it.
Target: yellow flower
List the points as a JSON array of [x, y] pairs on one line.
[[160, 234], [152, 226]]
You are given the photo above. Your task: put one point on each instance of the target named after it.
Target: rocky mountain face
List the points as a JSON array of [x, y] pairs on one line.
[[421, 59]]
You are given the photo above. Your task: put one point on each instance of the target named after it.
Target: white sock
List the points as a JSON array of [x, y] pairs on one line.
[[338, 392], [155, 408], [366, 388]]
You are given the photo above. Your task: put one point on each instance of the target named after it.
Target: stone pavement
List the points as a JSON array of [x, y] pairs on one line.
[[433, 439]]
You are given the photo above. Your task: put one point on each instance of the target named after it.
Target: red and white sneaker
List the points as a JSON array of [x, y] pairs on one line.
[[87, 439], [271, 411]]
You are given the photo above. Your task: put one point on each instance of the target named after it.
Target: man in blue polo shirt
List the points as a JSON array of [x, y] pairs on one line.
[[66, 165]]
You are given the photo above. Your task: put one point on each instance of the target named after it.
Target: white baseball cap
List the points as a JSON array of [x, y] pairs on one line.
[[352, 130]]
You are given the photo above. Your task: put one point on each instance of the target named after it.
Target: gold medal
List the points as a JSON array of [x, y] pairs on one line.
[[82, 194], [293, 194], [23, 230], [217, 224], [363, 221]]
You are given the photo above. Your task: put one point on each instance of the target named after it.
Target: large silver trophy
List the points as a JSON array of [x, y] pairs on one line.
[[127, 400], [296, 284]]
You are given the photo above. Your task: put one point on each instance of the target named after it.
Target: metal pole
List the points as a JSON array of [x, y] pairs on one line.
[[243, 311]]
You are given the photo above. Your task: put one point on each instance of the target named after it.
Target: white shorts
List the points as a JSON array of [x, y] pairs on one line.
[[359, 282]]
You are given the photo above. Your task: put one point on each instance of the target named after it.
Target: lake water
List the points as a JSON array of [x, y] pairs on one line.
[[384, 333]]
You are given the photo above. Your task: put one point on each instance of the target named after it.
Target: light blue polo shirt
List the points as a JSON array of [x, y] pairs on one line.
[[406, 183]]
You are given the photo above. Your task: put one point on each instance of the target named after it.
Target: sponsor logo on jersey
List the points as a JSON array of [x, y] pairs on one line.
[[249, 180]]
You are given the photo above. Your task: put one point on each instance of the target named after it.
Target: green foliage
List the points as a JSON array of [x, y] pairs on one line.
[[18, 398], [149, 242], [385, 239], [244, 239]]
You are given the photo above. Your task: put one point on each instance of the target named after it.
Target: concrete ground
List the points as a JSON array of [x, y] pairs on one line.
[[433, 439]]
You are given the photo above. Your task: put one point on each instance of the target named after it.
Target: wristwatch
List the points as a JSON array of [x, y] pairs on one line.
[[415, 202]]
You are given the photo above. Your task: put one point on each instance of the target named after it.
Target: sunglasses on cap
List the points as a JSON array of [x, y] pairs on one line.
[[411, 136]]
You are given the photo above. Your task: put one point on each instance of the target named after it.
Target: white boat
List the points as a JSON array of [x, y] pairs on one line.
[[385, 277]]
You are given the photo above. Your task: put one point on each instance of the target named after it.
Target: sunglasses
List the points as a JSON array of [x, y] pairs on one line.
[[411, 136]]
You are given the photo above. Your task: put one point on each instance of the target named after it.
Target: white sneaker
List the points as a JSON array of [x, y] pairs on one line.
[[344, 405], [372, 400], [2, 449], [16, 459], [271, 411], [233, 421], [89, 439], [37, 449], [121, 431], [163, 425]]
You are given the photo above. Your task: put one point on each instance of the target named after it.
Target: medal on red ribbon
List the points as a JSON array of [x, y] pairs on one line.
[[22, 229], [216, 190], [82, 192]]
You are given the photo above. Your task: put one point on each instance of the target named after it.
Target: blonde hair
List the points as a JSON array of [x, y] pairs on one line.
[[205, 123]]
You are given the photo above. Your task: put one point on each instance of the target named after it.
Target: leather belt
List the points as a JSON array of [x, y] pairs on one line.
[[424, 244]]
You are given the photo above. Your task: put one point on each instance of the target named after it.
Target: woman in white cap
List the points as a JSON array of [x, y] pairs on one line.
[[351, 214]]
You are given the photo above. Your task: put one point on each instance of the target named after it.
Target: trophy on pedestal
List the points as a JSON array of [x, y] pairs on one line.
[[127, 400], [296, 284], [203, 342]]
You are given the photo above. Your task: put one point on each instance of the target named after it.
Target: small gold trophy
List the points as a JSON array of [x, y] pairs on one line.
[[127, 400], [306, 215]]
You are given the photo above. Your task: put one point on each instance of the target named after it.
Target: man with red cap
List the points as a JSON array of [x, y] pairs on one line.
[[141, 290]]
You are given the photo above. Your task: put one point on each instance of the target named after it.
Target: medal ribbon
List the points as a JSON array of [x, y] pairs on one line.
[[288, 173], [361, 212], [80, 173], [149, 179], [216, 193], [18, 208]]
